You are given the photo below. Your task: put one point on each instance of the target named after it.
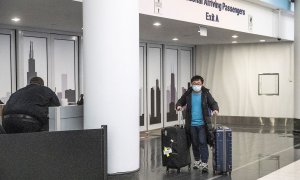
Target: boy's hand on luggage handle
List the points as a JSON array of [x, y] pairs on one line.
[[178, 108], [215, 112]]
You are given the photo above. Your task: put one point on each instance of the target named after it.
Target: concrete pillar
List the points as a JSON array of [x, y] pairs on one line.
[[111, 78]]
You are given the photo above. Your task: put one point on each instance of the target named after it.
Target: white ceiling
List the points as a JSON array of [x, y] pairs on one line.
[[187, 33], [66, 15]]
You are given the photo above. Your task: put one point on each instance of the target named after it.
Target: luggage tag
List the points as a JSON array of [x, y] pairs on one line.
[[167, 151]]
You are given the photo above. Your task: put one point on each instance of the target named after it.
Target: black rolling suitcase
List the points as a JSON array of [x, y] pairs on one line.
[[222, 149], [175, 148]]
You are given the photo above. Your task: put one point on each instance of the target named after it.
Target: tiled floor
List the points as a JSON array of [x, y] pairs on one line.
[[257, 151]]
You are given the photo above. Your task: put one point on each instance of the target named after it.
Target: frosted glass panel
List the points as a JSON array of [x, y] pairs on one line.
[[64, 69], [5, 67], [141, 89], [185, 70]]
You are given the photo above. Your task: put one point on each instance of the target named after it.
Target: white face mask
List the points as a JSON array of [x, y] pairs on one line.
[[196, 88]]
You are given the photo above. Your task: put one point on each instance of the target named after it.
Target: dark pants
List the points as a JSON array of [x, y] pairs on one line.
[[199, 143], [20, 125]]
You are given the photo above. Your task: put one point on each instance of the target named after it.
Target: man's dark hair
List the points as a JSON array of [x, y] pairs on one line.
[[37, 80], [196, 78]]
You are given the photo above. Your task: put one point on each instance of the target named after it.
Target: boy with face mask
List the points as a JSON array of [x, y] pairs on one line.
[[199, 102]]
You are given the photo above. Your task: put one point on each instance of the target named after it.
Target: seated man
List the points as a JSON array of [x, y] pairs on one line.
[[27, 109]]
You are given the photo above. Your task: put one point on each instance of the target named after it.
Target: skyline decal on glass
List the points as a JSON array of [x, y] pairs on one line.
[[142, 115], [171, 100], [34, 60], [155, 115], [66, 93], [185, 89], [154, 93], [31, 65], [170, 71]]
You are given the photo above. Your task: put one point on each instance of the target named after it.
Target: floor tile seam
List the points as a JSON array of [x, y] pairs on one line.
[[266, 157]]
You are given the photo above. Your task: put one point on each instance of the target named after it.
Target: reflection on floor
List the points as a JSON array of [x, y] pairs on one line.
[[257, 151], [289, 172]]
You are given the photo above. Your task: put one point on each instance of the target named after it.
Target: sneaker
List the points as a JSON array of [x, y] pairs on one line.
[[197, 164], [204, 167]]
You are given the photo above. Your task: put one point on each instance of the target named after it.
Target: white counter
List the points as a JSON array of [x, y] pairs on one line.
[[65, 118]]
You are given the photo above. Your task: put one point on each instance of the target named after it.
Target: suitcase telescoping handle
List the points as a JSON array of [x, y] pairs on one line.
[[215, 119], [215, 122], [180, 119]]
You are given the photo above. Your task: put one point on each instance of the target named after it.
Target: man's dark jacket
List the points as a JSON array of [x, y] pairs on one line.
[[32, 100], [208, 104]]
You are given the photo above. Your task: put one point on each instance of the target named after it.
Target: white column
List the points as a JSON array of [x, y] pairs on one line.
[[111, 77], [297, 64]]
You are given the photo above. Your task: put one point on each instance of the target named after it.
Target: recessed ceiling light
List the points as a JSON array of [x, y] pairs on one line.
[[234, 42], [175, 39], [262, 40], [78, 0], [235, 36], [156, 24], [16, 19]]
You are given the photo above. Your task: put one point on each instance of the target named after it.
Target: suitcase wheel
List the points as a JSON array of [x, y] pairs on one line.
[[178, 171], [189, 167]]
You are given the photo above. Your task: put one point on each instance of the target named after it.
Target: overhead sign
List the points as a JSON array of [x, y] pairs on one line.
[[220, 6], [234, 15]]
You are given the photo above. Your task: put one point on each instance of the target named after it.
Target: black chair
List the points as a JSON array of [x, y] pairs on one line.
[[2, 131]]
